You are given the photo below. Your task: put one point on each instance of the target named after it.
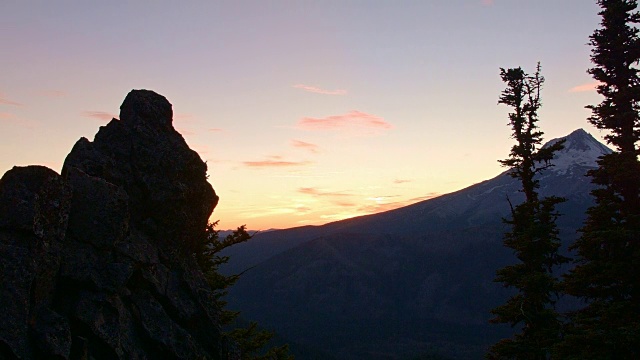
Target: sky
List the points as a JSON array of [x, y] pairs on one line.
[[306, 112]]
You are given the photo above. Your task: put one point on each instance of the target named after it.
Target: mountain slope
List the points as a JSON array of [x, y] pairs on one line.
[[479, 204], [418, 278]]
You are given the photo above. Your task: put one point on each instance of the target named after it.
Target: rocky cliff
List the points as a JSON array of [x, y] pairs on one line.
[[96, 263]]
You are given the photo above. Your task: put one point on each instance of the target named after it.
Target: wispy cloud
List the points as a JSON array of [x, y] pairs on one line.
[[345, 203], [592, 86], [303, 209], [305, 145], [274, 163], [487, 2], [317, 192], [252, 212], [379, 207], [421, 198], [380, 204], [370, 205], [5, 101], [354, 118], [6, 115], [401, 181], [100, 115], [215, 130], [318, 90]]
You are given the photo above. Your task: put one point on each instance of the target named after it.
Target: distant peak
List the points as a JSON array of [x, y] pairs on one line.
[[580, 140], [579, 133], [580, 148]]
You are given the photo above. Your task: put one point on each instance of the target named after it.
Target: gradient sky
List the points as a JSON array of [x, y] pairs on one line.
[[305, 111]]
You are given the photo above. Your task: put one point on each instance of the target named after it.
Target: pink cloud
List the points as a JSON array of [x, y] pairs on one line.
[[401, 181], [592, 86], [305, 145], [215, 130], [318, 90], [309, 191], [351, 119], [6, 115], [5, 101], [100, 115], [487, 2], [274, 163]]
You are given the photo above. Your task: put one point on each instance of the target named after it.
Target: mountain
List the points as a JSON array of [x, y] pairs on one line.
[[414, 281]]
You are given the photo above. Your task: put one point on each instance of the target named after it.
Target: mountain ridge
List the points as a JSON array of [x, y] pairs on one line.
[[421, 274], [247, 255]]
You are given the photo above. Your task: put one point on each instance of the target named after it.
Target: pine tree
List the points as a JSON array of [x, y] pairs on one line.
[[607, 273], [534, 235], [252, 341]]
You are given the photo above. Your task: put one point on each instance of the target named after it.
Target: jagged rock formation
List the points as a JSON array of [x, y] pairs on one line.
[[97, 263]]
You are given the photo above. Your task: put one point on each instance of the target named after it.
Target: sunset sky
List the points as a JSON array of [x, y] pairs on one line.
[[305, 111]]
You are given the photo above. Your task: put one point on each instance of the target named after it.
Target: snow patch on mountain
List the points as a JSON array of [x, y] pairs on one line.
[[580, 148]]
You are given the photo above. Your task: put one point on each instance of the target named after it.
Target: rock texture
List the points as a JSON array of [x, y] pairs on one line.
[[97, 263]]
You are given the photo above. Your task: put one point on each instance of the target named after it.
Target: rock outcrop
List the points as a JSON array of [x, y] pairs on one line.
[[96, 263]]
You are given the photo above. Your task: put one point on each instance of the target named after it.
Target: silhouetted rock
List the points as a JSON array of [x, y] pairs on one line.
[[144, 155], [97, 263], [34, 204]]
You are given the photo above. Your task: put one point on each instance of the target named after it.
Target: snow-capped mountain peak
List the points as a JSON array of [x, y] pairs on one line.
[[580, 148]]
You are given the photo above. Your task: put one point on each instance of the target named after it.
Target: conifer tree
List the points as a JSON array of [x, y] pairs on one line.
[[252, 341], [607, 274], [534, 235]]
